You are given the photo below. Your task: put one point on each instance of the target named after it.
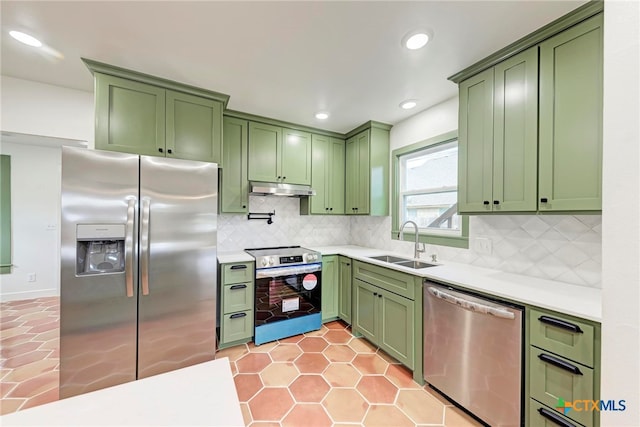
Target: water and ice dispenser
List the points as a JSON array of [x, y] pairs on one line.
[[100, 248]]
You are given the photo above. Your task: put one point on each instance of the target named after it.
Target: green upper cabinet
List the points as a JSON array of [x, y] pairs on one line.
[[498, 137], [367, 170], [142, 114], [571, 119], [234, 185], [327, 177], [279, 154]]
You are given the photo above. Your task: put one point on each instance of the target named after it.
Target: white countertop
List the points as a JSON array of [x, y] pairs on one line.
[[234, 256], [199, 395], [580, 301]]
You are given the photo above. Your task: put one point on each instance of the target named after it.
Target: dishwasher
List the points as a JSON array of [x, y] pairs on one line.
[[473, 353]]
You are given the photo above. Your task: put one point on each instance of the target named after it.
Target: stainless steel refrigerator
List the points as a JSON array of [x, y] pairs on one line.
[[138, 267]]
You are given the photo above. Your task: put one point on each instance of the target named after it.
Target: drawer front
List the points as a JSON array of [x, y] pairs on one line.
[[554, 379], [237, 326], [543, 416], [394, 281], [562, 335], [237, 273], [238, 297]]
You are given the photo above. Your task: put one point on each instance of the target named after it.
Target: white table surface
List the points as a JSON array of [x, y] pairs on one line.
[[199, 395]]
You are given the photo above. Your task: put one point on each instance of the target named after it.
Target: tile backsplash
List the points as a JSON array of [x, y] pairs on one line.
[[565, 248]]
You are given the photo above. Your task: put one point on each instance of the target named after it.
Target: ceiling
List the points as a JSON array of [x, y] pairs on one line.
[[285, 60]]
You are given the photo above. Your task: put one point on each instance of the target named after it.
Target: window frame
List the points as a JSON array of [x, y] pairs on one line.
[[461, 241]]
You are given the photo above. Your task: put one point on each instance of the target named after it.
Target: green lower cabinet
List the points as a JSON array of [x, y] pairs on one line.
[[344, 288], [236, 328], [235, 303], [330, 291], [365, 300], [540, 415]]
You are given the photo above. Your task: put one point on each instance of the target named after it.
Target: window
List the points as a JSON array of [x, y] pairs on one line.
[[426, 191]]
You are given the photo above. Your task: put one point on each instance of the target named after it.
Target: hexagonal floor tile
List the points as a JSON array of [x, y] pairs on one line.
[[252, 363], [341, 375], [338, 336], [361, 345], [279, 374], [285, 353], [386, 415], [377, 389], [292, 340], [420, 406], [311, 363], [454, 417], [345, 405], [270, 404], [313, 344], [339, 353], [262, 348], [247, 385], [401, 377], [233, 353], [320, 332], [309, 388], [370, 364], [336, 324], [308, 415]]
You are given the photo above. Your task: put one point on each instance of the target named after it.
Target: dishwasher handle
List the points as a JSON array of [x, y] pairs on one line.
[[470, 305]]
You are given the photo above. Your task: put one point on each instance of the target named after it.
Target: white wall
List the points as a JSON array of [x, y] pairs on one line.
[[621, 212]]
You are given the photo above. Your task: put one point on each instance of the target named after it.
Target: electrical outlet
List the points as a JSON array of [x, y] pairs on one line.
[[31, 277], [484, 245]]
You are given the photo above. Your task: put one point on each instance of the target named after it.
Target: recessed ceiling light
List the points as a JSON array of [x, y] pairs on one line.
[[25, 38], [322, 115], [415, 39], [408, 104]]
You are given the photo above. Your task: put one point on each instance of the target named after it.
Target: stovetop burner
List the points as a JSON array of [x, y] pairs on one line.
[[283, 255]]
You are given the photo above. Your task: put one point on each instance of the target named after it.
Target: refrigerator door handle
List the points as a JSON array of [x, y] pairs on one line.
[[144, 245], [128, 247]]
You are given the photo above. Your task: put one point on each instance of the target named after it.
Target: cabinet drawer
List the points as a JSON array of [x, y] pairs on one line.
[[394, 281], [238, 297], [237, 273], [543, 416], [562, 335], [553, 378], [237, 326]]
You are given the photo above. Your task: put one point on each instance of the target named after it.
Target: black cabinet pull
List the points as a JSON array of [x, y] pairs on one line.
[[375, 293], [326, 209], [379, 295], [560, 324], [234, 287], [160, 150], [348, 265], [496, 202], [330, 209], [555, 418], [544, 200], [239, 267], [279, 177], [237, 315], [169, 151], [244, 206], [560, 363], [284, 177], [486, 202]]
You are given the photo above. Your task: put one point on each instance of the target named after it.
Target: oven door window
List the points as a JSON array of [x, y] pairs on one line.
[[287, 297]]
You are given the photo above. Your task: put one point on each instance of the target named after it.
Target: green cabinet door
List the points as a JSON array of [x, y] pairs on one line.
[[265, 143], [193, 127], [365, 303], [515, 139], [351, 176], [336, 176], [396, 335], [320, 170], [295, 160], [234, 185], [362, 141], [330, 292], [475, 143], [130, 116], [344, 299], [570, 164]]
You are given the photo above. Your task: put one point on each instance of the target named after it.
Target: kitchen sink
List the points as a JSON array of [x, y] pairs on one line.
[[389, 258], [405, 262]]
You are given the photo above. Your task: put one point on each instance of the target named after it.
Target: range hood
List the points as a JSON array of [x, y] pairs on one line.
[[280, 189]]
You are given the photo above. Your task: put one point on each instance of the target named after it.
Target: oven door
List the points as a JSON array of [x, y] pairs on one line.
[[287, 292]]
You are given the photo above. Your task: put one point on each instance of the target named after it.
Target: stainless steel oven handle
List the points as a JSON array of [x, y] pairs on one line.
[[288, 271]]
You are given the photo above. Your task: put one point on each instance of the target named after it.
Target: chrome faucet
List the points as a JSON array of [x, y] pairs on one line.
[[416, 250]]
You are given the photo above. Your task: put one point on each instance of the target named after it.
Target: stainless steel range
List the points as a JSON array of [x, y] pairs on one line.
[[288, 289]]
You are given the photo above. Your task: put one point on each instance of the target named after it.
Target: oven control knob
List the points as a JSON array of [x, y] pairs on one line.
[[265, 262], [272, 260], [312, 257]]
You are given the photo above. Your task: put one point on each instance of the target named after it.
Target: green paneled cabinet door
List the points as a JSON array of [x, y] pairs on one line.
[[234, 185], [357, 174], [327, 177], [344, 299], [265, 145], [570, 167], [365, 303], [130, 116], [396, 326], [330, 292], [335, 181], [295, 163], [193, 127]]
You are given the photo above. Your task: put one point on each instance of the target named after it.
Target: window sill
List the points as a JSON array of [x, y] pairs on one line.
[[434, 239]]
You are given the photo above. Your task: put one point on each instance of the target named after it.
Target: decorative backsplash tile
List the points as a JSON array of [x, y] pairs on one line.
[[566, 248]]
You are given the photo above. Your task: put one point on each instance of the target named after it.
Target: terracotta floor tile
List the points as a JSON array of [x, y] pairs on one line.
[[361, 345], [377, 389], [270, 404], [16, 350], [6, 388], [252, 363], [401, 376], [37, 385], [17, 334], [45, 327], [320, 332], [246, 413], [420, 406], [31, 370], [307, 415], [454, 417], [370, 364], [262, 348], [346, 405], [338, 337], [247, 385], [285, 353], [309, 388], [339, 353], [264, 424], [10, 325], [336, 324], [341, 375], [313, 344], [11, 405], [48, 396], [311, 363], [292, 340], [385, 416], [279, 374], [25, 359], [233, 353], [49, 335]]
